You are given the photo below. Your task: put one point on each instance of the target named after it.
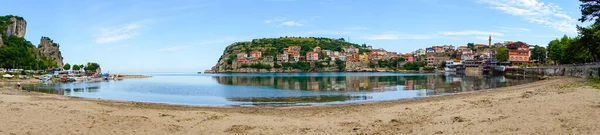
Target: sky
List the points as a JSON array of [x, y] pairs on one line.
[[136, 36]]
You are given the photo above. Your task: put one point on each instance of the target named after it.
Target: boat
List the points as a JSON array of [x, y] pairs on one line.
[[500, 68], [7, 76]]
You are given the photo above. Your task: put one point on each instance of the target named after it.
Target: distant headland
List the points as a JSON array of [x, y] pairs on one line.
[[306, 54]]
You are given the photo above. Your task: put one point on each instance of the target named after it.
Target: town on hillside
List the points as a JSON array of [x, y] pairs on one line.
[[366, 58]]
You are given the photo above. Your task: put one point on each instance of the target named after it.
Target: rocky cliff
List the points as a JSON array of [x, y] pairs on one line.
[[17, 28], [50, 50]]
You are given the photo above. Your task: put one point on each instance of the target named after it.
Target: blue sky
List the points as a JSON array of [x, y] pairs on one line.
[[190, 35]]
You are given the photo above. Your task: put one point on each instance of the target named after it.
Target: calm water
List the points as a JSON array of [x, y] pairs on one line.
[[281, 88]]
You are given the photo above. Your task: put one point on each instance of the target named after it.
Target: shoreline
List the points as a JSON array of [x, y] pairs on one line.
[[559, 105]]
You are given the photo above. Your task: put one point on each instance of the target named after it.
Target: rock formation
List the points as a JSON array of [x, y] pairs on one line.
[[1, 42], [17, 28], [49, 49]]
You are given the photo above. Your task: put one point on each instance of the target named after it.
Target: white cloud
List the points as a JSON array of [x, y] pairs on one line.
[[118, 34], [546, 14], [390, 36], [275, 20], [291, 23], [512, 28], [469, 32], [356, 28], [203, 43]]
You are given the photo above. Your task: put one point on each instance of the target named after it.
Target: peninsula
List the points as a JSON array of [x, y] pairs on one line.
[[306, 54]]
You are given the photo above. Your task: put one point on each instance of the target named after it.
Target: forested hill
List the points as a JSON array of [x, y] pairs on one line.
[[291, 54], [18, 53], [273, 46]]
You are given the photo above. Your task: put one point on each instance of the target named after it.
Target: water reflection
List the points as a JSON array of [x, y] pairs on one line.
[[281, 89], [433, 84], [64, 89]]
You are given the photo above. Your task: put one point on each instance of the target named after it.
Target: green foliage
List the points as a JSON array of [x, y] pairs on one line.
[[274, 46], [538, 53], [231, 58], [372, 65], [5, 21], [590, 10], [276, 65], [341, 65], [67, 66], [471, 45], [76, 67], [92, 66], [391, 63], [20, 53], [571, 50], [428, 68], [501, 54], [304, 66], [414, 65]]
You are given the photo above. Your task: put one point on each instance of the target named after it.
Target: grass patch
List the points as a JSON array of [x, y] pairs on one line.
[[593, 82]]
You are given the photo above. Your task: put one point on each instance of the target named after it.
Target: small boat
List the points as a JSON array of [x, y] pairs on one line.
[[7, 76], [500, 68]]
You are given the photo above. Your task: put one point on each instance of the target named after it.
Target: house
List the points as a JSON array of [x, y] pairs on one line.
[[242, 60], [448, 47], [363, 57], [463, 48], [485, 54], [296, 56], [467, 55], [312, 56], [327, 53], [282, 58], [350, 50], [479, 46], [430, 60], [342, 57], [379, 51], [498, 45], [292, 49], [420, 52], [336, 53], [390, 55], [408, 57], [518, 52], [429, 50], [438, 49], [242, 55], [352, 58], [317, 49], [255, 55]]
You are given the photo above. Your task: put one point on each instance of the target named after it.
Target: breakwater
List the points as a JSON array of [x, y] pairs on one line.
[[581, 71]]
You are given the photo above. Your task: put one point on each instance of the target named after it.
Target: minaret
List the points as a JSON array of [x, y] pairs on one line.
[[490, 40]]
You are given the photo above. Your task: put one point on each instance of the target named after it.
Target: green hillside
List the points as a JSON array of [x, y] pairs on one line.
[[274, 46]]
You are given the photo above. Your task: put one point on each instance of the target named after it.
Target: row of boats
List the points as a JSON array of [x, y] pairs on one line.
[[453, 66]]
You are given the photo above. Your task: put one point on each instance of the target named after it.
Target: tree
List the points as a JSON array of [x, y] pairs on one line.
[[501, 54], [590, 10], [76, 67], [590, 36], [471, 45], [67, 66], [92, 66], [538, 53]]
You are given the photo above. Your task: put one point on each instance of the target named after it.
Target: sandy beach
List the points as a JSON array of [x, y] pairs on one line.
[[559, 105]]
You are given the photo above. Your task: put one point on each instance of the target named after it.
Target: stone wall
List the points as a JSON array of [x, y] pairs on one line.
[[581, 71]]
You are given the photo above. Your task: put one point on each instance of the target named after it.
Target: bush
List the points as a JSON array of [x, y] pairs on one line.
[[414, 65]]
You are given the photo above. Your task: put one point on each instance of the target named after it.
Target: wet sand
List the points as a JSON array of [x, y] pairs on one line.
[[555, 106]]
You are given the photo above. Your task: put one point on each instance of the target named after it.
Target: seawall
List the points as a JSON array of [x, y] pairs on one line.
[[581, 71]]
